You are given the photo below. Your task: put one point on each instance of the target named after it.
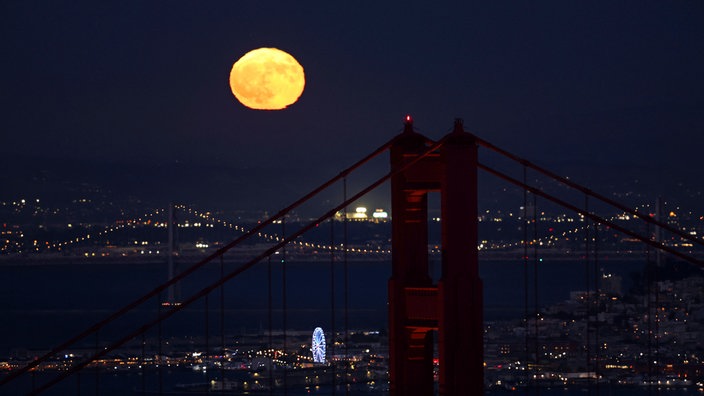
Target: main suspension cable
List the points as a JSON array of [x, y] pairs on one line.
[[643, 216], [181, 275], [242, 268], [593, 217]]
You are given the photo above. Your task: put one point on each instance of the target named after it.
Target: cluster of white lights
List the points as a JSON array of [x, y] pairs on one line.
[[276, 238]]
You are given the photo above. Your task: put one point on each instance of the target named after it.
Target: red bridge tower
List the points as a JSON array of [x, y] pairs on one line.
[[453, 306]]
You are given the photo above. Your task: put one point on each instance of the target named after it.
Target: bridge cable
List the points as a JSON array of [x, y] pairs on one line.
[[597, 306], [143, 364], [346, 284], [658, 261], [429, 150], [222, 324], [526, 320], [536, 313], [97, 366], [649, 308], [34, 379], [120, 312], [284, 303], [594, 217], [656, 335], [206, 355], [578, 187], [272, 350], [159, 361], [587, 298], [332, 304]]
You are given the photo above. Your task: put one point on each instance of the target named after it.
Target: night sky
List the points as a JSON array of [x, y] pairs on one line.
[[145, 84]]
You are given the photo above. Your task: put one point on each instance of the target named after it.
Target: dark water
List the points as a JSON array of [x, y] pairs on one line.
[[42, 305]]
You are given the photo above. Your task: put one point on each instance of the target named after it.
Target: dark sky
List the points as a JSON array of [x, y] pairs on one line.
[[146, 82]]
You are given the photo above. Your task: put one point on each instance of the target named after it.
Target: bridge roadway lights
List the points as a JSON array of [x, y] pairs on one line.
[[417, 307]]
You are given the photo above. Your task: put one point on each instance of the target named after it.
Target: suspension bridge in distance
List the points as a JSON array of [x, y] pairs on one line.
[[436, 326]]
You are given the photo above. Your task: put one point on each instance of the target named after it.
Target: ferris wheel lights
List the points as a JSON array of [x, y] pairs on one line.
[[318, 345]]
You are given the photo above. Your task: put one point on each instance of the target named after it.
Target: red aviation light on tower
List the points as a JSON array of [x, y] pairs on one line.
[[408, 123]]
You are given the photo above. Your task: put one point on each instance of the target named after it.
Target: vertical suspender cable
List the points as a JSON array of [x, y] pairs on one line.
[[158, 362], [649, 280], [222, 323], [144, 364], [346, 285], [588, 300], [535, 286], [525, 273], [270, 319], [597, 304], [656, 317], [206, 355], [525, 269], [658, 237], [332, 303], [284, 302], [34, 380], [97, 365]]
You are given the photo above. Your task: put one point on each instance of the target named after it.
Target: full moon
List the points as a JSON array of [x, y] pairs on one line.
[[267, 79]]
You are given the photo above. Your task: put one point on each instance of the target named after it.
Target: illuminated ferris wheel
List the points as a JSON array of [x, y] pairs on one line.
[[318, 345]]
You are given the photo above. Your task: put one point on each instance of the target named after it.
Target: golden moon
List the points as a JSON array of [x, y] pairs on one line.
[[267, 79]]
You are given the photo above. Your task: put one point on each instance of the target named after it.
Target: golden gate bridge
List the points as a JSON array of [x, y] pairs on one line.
[[432, 323]]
